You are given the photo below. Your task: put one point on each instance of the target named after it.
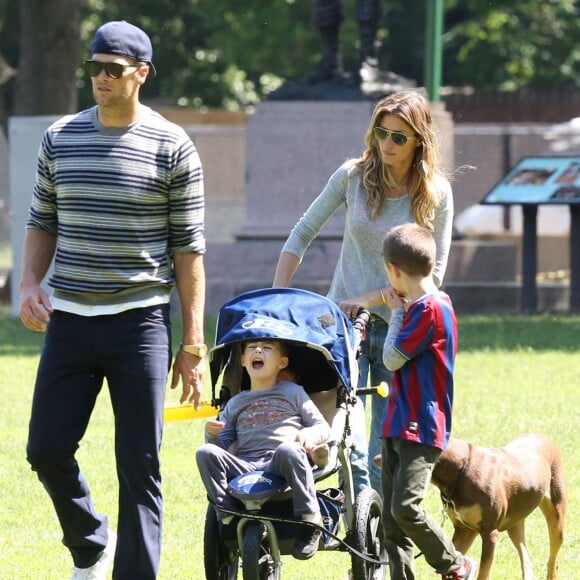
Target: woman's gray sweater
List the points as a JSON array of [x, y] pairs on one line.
[[360, 268]]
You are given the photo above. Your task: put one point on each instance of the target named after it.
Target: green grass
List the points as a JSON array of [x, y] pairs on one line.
[[5, 255], [515, 374]]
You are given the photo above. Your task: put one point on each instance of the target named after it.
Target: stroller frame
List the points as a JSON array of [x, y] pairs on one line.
[[328, 346]]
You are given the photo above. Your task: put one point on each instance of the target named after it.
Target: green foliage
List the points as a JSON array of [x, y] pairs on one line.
[[217, 53], [403, 39], [224, 54], [9, 32], [231, 55], [515, 43]]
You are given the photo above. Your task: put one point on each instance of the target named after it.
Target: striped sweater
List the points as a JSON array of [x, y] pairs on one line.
[[120, 201]]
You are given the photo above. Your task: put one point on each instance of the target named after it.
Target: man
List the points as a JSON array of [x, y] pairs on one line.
[[118, 201]]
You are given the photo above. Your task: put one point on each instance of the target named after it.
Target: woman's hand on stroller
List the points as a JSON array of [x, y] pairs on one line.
[[352, 306]]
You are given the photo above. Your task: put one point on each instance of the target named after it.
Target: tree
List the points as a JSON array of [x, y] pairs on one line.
[[514, 44], [49, 55], [230, 54], [9, 56], [217, 53]]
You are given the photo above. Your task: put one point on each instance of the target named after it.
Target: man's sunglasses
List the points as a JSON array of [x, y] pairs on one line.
[[397, 137], [114, 70]]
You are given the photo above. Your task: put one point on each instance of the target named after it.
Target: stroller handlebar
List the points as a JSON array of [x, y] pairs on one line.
[[361, 320]]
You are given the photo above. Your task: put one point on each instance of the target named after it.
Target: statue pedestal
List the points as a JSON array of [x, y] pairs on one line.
[[293, 147]]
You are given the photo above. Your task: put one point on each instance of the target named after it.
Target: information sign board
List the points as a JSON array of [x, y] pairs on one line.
[[539, 180]]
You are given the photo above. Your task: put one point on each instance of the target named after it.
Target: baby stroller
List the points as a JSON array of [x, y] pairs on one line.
[[325, 346]]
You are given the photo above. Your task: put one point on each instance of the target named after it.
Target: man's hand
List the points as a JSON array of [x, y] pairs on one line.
[[35, 307], [191, 370]]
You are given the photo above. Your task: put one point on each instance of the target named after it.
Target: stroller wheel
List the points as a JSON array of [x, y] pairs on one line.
[[257, 560], [220, 563], [367, 537]]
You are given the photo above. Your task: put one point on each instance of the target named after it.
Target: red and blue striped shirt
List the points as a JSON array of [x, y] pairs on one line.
[[420, 400]]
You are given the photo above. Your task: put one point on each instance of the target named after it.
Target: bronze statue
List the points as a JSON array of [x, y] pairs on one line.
[[328, 16], [329, 81]]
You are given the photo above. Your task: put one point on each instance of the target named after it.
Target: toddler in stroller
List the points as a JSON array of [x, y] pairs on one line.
[[272, 427], [253, 517]]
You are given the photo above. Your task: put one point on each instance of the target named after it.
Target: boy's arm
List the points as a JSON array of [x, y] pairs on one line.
[[221, 432], [224, 438], [392, 358], [316, 430]]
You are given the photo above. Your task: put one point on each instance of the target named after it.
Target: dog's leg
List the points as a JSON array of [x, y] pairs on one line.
[[463, 538], [489, 542], [517, 535], [554, 510], [555, 517]]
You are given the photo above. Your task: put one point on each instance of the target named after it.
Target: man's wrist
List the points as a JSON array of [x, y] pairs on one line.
[[198, 349]]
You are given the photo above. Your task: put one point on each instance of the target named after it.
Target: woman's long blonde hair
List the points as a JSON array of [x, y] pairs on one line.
[[414, 109]]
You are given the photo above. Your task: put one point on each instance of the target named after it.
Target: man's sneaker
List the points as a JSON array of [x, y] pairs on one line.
[[306, 544], [467, 571], [98, 571]]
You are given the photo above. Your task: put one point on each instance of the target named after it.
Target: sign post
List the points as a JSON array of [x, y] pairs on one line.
[[535, 181]]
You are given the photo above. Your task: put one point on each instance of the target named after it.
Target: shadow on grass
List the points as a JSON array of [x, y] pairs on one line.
[[520, 332], [476, 333], [490, 332]]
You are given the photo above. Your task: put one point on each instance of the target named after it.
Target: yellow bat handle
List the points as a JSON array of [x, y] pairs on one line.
[[383, 389], [178, 412]]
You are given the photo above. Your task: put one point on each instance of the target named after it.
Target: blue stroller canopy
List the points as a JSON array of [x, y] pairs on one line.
[[300, 317]]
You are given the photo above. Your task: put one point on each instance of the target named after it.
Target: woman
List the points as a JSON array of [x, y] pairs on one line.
[[398, 179]]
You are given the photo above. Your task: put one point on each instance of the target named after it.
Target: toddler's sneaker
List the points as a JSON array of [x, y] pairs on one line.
[[98, 571], [306, 544], [467, 571]]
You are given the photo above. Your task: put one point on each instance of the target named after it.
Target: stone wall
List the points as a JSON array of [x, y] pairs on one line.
[[252, 163], [549, 105]]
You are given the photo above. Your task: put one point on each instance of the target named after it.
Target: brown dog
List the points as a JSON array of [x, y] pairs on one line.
[[490, 490]]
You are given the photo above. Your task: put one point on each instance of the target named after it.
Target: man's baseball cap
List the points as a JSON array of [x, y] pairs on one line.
[[120, 37]]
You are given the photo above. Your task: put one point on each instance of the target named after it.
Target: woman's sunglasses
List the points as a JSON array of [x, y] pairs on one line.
[[397, 137], [114, 70]]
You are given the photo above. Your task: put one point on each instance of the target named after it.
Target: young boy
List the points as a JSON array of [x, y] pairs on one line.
[[274, 425], [420, 347]]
